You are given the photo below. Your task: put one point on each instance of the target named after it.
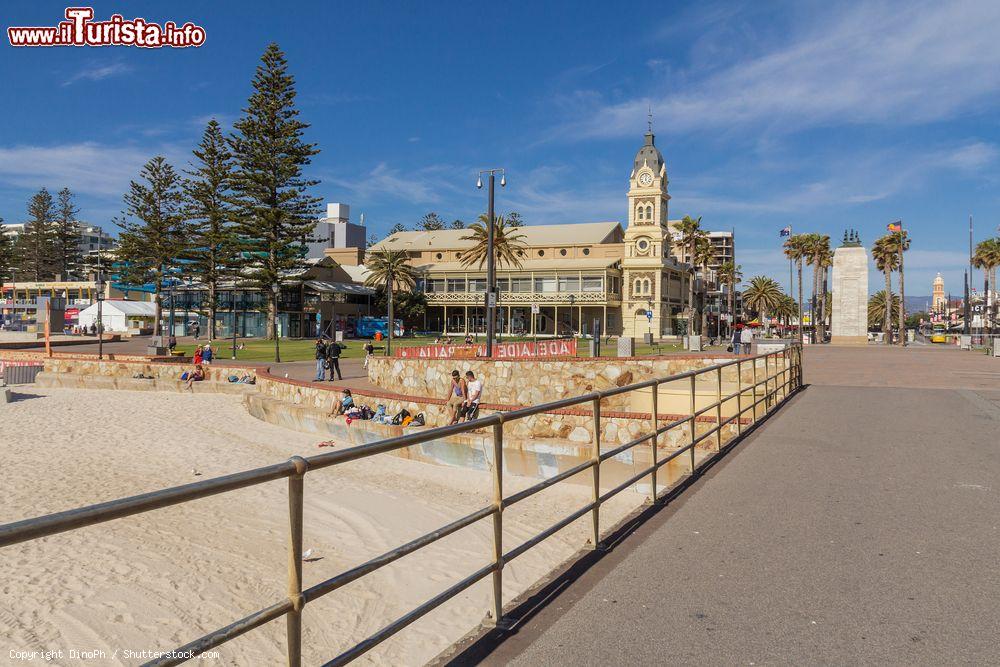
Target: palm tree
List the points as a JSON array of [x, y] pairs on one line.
[[762, 296], [730, 274], [822, 259], [390, 269], [886, 260], [987, 258], [704, 255], [882, 311], [901, 243], [690, 231], [508, 243], [786, 309], [795, 250]]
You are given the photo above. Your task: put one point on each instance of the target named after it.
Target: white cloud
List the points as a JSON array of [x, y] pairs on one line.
[[86, 168], [419, 186], [876, 63], [97, 73]]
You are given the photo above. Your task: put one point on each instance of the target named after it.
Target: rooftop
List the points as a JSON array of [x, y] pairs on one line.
[[586, 233]]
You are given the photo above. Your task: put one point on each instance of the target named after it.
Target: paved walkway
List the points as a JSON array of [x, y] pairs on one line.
[[860, 525]]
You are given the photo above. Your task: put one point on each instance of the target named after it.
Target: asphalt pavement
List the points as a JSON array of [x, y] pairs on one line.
[[859, 525]]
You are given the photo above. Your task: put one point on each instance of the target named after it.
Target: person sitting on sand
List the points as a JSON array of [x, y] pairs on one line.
[[343, 405], [197, 375]]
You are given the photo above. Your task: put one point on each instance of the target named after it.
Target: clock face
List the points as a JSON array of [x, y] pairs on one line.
[[645, 179]]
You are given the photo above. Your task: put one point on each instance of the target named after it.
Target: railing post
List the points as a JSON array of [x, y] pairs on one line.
[[753, 392], [596, 513], [653, 452], [498, 521], [293, 619], [693, 410], [718, 410], [739, 397]]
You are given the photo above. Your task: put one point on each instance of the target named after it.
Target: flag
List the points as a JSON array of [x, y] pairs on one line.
[[785, 231], [895, 226]]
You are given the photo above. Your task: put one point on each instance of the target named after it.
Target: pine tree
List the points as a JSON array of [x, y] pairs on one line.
[[431, 222], [274, 213], [36, 249], [7, 258], [396, 228], [212, 249], [458, 224], [149, 248], [66, 234], [514, 219]]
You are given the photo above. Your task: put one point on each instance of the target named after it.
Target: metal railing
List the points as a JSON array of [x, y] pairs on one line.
[[779, 372]]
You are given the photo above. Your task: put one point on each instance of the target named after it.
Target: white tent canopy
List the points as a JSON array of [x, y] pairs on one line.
[[121, 316]]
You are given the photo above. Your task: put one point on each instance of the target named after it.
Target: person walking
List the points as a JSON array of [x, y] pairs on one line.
[[735, 342], [196, 328], [369, 352], [456, 397], [320, 360], [746, 339], [333, 359]]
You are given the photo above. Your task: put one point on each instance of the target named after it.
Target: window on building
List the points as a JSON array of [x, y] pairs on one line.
[[545, 284], [434, 285], [503, 284], [586, 251], [640, 213], [456, 284], [593, 283], [477, 284], [562, 252], [637, 288], [520, 284], [569, 283]]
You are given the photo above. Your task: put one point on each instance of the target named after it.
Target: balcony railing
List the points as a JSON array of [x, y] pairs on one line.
[[772, 378], [524, 298]]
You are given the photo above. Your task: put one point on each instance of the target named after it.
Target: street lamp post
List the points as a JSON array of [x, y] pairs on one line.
[[100, 298], [100, 315], [491, 297], [277, 352], [232, 307]]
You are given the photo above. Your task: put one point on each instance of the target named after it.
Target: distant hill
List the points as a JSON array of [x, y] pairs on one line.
[[915, 303]]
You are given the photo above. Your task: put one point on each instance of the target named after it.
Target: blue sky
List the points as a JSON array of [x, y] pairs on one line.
[[822, 117]]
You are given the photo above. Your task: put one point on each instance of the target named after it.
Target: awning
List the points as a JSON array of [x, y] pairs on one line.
[[338, 288]]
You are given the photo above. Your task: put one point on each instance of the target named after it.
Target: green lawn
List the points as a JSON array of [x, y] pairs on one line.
[[257, 349]]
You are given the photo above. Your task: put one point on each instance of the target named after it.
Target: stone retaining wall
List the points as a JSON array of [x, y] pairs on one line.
[[575, 425], [530, 381], [159, 370]]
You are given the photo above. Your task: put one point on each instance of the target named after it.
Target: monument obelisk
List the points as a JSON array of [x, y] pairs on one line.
[[849, 316]]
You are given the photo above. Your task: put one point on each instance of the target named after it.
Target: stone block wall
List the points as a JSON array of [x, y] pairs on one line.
[[530, 382]]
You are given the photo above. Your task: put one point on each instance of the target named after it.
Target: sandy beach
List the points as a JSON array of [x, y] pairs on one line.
[[158, 580]]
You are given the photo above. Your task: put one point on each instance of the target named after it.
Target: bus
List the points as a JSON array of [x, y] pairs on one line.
[[938, 333]]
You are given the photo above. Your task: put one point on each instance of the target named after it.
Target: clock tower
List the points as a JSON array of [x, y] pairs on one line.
[[647, 243]]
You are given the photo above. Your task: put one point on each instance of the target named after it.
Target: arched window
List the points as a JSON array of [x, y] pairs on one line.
[[649, 212], [645, 286], [638, 286], [640, 212]]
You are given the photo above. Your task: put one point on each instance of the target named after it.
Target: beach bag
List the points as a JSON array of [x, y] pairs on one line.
[[184, 375], [407, 421], [729, 348], [366, 412], [418, 420], [233, 378], [400, 416]]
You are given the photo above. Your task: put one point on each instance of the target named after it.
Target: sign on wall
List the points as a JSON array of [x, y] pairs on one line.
[[522, 350]]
